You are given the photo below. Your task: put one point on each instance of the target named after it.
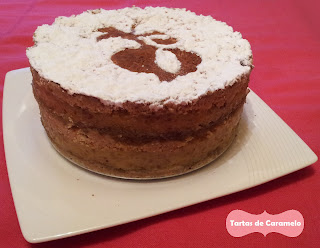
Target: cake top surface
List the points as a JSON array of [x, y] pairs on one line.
[[151, 55]]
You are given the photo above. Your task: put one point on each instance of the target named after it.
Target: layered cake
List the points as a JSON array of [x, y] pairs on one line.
[[140, 93]]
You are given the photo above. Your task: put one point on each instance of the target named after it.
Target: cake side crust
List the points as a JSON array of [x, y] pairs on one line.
[[157, 159]]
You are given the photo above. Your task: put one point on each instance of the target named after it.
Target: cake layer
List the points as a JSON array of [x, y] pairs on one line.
[[102, 153], [133, 119], [151, 56]]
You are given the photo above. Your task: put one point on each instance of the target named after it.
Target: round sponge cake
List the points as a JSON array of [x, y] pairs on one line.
[[140, 93]]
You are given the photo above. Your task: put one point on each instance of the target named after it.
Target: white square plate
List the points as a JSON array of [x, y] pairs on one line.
[[56, 199]]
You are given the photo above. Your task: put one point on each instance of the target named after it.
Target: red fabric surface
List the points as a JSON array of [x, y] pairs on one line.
[[285, 39]]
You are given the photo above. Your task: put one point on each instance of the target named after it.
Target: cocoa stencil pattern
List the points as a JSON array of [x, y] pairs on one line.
[[143, 59]]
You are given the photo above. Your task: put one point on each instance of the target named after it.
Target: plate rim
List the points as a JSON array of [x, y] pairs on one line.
[[6, 91]]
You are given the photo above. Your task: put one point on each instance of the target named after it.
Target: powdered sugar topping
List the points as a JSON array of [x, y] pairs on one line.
[[67, 52], [167, 61]]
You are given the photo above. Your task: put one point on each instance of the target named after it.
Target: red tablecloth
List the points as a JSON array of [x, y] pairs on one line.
[[285, 39]]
